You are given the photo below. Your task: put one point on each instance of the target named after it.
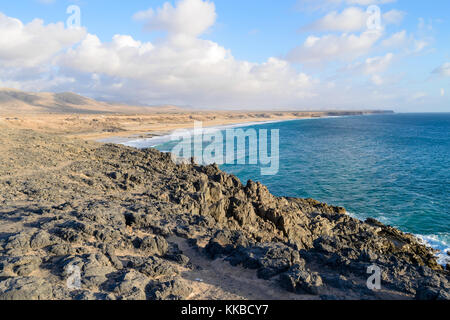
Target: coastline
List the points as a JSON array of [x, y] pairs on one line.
[[141, 227], [163, 137], [159, 138], [217, 159], [96, 127], [432, 241], [429, 240]]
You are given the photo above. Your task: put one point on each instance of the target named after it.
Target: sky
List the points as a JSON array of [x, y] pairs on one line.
[[246, 54]]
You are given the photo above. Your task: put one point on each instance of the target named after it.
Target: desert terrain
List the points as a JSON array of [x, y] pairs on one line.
[[72, 115]]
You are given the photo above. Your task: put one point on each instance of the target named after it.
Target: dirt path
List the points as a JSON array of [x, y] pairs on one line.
[[218, 280]]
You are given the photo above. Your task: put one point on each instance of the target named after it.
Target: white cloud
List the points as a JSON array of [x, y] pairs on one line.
[[443, 70], [373, 68], [398, 39], [378, 64], [377, 80], [181, 69], [325, 5], [419, 45], [411, 44], [351, 19], [346, 47], [393, 17], [442, 92], [33, 44], [419, 96], [425, 26], [372, 65], [188, 17], [184, 69]]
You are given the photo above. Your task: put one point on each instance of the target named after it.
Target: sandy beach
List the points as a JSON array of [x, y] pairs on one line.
[[103, 126], [71, 115]]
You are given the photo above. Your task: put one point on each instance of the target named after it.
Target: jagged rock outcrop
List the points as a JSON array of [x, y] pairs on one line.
[[111, 213]]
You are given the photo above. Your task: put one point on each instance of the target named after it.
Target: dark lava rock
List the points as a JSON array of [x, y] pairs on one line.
[[153, 245], [225, 242], [107, 209], [155, 267], [269, 259], [181, 259], [301, 280], [131, 286], [432, 293], [23, 288], [171, 290]]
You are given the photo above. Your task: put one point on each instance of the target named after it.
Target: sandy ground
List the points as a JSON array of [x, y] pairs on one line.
[[218, 280], [102, 126], [72, 115]]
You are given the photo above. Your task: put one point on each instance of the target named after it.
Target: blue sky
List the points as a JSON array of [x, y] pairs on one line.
[[290, 54]]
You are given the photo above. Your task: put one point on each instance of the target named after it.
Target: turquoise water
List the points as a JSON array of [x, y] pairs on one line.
[[395, 168]]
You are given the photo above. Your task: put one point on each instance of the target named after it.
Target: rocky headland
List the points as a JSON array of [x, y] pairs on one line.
[[135, 225]]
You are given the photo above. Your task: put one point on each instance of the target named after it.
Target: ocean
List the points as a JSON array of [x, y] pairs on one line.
[[393, 167]]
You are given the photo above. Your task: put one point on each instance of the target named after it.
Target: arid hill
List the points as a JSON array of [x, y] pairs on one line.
[[16, 102], [73, 115]]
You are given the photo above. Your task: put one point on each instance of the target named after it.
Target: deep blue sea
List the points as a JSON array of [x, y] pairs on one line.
[[395, 168]]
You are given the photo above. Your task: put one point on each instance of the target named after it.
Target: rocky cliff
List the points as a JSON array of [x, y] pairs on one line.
[[131, 224]]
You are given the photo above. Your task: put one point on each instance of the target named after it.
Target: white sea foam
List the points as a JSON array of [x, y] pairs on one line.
[[160, 140], [440, 243]]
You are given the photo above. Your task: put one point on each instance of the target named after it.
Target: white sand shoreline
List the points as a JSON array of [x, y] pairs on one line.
[[166, 137], [157, 140]]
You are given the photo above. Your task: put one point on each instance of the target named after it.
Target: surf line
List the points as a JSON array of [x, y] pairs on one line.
[[190, 145]]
